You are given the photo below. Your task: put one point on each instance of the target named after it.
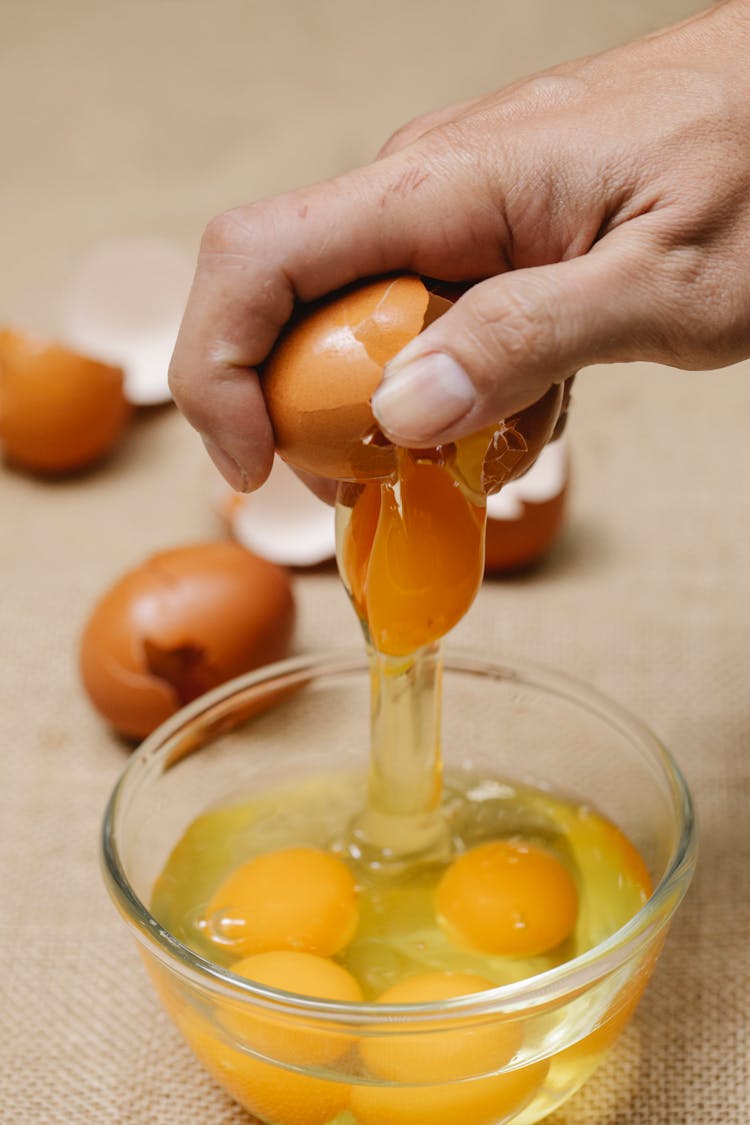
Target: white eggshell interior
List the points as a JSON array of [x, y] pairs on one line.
[[284, 521], [123, 305], [545, 479]]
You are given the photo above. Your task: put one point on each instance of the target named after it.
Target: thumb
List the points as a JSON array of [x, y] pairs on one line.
[[506, 341]]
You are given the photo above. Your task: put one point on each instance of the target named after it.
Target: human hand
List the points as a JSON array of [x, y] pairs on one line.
[[603, 207]]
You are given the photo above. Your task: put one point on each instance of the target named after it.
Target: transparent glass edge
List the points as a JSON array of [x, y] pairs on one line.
[[554, 984]]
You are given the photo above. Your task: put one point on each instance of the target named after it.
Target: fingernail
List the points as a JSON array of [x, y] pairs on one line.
[[230, 469], [421, 397]]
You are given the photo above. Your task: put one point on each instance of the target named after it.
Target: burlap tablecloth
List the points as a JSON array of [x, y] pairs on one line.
[[147, 117]]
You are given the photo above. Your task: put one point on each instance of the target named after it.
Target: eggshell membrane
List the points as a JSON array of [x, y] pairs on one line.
[[179, 624], [123, 304], [518, 440], [283, 521], [59, 410]]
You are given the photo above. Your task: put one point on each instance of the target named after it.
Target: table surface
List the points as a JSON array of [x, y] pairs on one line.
[[147, 118]]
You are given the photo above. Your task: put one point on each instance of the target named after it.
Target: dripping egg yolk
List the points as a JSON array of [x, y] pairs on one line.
[[413, 555], [299, 898], [507, 897]]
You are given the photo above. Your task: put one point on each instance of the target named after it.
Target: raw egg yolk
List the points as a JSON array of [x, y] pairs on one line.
[[271, 1093], [290, 1039], [413, 556], [301, 899], [475, 1046], [437, 1059], [483, 1101], [507, 897]]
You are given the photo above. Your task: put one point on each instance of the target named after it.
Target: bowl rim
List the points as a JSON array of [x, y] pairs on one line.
[[539, 991]]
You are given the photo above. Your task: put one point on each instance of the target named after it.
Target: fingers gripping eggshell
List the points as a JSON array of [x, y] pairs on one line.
[[320, 378], [178, 625], [59, 411]]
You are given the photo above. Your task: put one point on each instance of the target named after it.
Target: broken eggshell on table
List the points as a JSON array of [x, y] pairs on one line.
[[66, 402], [123, 304], [285, 522], [176, 625]]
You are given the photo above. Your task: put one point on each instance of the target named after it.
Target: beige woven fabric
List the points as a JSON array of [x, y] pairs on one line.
[[146, 118]]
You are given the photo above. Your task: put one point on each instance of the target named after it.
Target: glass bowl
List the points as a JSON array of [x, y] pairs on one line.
[[296, 1060]]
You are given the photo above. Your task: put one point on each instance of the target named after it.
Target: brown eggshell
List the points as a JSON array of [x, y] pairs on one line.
[[524, 521], [178, 625], [519, 440], [517, 543], [320, 378], [59, 410]]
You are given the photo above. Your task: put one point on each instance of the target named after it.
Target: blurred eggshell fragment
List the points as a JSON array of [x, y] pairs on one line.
[[283, 521], [519, 440], [525, 517], [124, 304], [181, 623], [59, 411]]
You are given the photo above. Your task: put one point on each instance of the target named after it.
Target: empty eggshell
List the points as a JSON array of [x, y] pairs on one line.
[[319, 380], [59, 411], [124, 304], [283, 521], [525, 518], [179, 624]]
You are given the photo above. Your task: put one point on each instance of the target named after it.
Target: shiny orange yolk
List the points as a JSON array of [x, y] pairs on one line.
[[507, 897], [302, 899], [430, 1054], [269, 1092], [413, 555], [276, 1035]]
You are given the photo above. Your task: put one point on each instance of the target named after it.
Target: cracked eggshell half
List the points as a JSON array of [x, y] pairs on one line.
[[181, 623], [320, 377], [319, 380], [283, 520], [59, 411], [526, 516], [123, 304]]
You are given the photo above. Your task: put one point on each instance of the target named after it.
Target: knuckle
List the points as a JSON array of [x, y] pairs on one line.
[[237, 231], [178, 386], [703, 308], [511, 328], [545, 91], [401, 138], [418, 129], [219, 234]]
